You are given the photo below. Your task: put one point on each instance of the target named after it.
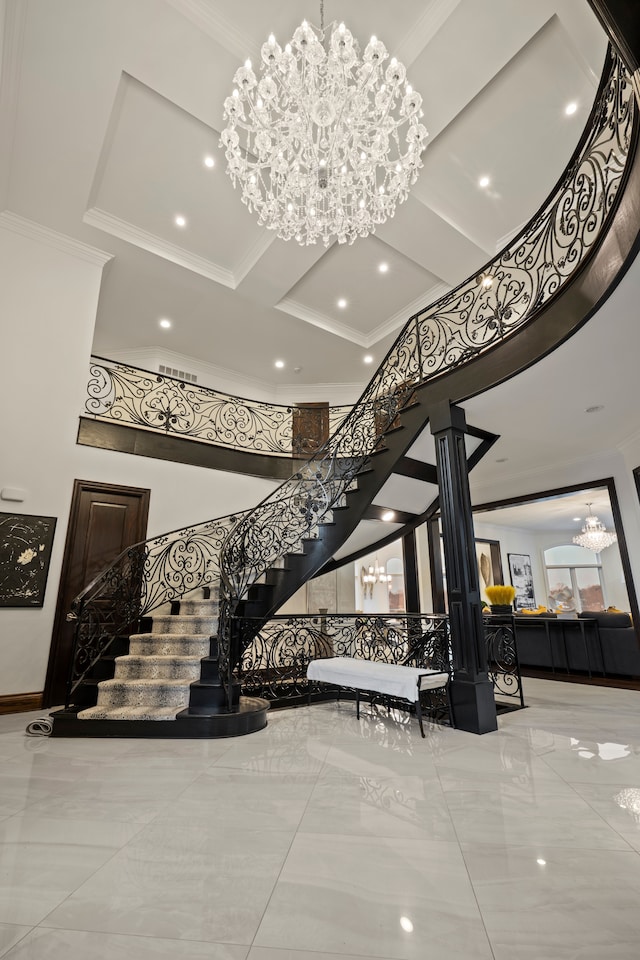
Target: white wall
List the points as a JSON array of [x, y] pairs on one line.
[[515, 540], [48, 298]]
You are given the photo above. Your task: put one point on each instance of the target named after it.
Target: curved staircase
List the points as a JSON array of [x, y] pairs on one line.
[[532, 296]]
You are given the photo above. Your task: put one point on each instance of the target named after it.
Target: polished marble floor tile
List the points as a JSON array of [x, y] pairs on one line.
[[547, 901], [10, 934], [180, 901], [47, 944], [508, 815], [327, 838], [239, 799], [400, 806], [386, 899]]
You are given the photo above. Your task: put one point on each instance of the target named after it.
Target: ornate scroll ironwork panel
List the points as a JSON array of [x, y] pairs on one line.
[[128, 395]]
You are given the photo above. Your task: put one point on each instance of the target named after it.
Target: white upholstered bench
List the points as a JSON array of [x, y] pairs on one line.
[[390, 679]]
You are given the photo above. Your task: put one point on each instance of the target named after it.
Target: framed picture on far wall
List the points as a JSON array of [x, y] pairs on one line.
[[522, 580], [489, 565]]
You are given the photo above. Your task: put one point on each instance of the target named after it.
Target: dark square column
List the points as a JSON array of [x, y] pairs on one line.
[[472, 696]]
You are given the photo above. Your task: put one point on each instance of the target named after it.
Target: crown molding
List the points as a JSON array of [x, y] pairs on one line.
[[96, 217], [13, 15], [336, 394], [504, 241], [255, 253], [219, 378], [629, 443], [60, 241], [295, 309], [424, 30], [398, 320], [210, 21]]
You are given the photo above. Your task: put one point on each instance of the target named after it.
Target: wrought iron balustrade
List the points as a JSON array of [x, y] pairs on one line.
[[502, 658], [484, 311], [120, 393], [140, 579], [274, 660]]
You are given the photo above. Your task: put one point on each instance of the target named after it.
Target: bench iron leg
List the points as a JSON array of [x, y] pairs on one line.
[[419, 712], [357, 704]]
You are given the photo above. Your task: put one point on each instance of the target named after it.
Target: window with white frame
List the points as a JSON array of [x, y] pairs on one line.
[[574, 578]]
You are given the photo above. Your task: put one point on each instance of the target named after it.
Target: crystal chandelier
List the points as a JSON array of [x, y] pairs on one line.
[[325, 144], [595, 535]]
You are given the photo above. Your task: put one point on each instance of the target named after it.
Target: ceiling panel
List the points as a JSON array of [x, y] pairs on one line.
[[372, 298], [367, 533], [522, 109], [152, 168], [555, 513], [405, 493]]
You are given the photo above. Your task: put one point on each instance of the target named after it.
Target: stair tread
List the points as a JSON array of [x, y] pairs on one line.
[[129, 713], [146, 682]]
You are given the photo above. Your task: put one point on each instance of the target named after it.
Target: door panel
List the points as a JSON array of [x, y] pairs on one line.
[[104, 520]]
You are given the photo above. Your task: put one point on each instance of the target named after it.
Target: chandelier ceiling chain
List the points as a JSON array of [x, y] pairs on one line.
[[595, 535], [324, 144]]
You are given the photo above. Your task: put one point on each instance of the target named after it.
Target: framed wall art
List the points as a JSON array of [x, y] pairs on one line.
[[522, 579], [489, 565], [25, 552]]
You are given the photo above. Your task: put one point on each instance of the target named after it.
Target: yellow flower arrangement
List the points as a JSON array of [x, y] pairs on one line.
[[500, 595]]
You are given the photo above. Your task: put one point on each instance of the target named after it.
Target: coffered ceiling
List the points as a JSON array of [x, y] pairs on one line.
[[115, 106]]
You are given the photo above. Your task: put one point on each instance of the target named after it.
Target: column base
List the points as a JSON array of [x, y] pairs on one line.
[[474, 705]]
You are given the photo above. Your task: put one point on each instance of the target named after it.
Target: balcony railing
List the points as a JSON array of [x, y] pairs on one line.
[[119, 393]]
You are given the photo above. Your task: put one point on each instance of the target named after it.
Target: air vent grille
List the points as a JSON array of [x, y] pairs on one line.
[[183, 375]]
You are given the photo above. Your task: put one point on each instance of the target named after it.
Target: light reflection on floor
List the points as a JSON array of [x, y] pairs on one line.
[[324, 837]]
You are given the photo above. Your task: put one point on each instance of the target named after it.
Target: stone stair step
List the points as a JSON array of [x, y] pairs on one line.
[[139, 693], [166, 645], [199, 608], [128, 713], [185, 624], [158, 667]]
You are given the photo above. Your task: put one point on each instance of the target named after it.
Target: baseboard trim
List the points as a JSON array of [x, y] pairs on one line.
[[20, 702]]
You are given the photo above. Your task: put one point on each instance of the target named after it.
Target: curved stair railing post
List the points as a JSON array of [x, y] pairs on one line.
[[482, 313]]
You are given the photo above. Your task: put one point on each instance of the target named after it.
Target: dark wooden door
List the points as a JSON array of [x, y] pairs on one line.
[[310, 428], [104, 519]]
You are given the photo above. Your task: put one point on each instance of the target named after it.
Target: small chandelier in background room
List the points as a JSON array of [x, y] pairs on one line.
[[595, 535], [325, 144], [374, 574]]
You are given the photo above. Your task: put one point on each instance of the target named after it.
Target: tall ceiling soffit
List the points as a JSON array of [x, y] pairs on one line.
[[128, 100]]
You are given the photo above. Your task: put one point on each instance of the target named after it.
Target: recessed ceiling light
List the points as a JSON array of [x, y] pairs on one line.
[[571, 108], [595, 409], [541, 862], [383, 267], [165, 324], [342, 303], [209, 162], [180, 221], [367, 358], [484, 181], [388, 515], [577, 519], [279, 364], [406, 924]]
